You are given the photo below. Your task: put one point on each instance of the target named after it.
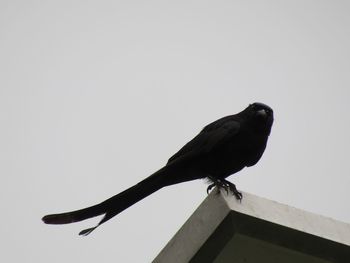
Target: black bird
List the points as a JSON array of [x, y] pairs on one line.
[[222, 148]]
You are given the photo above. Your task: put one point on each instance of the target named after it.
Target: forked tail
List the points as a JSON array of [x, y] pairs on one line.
[[112, 206]]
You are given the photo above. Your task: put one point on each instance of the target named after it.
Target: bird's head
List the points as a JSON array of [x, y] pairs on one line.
[[262, 116]]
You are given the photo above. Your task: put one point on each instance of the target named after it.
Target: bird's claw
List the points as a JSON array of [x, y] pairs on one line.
[[234, 190], [210, 187], [238, 195]]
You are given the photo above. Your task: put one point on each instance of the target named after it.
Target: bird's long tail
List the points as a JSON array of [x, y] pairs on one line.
[[111, 206]]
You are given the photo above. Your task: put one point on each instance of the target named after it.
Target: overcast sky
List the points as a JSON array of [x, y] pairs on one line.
[[97, 95]]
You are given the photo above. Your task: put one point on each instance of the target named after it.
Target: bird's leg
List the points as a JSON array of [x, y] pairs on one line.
[[233, 189]]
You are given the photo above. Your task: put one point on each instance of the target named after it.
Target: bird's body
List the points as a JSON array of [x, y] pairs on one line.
[[222, 148]]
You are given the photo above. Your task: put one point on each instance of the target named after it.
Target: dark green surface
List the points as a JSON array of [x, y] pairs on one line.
[[242, 238], [245, 249]]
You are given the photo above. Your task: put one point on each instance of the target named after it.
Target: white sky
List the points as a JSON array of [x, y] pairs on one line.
[[97, 95]]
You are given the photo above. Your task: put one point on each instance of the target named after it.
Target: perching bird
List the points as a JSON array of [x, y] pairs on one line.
[[222, 148]]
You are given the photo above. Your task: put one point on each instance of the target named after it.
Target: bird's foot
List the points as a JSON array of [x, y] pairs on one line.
[[226, 185]]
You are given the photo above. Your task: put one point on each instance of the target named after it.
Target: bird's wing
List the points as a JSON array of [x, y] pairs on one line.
[[210, 137]]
